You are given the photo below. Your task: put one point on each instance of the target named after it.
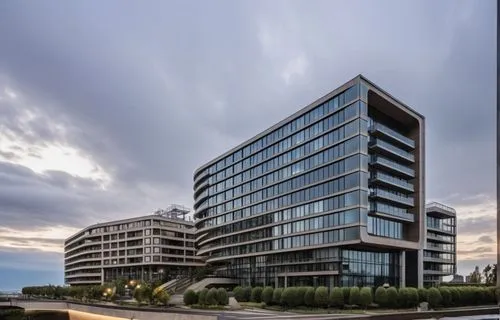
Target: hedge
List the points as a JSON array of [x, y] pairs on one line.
[[391, 297]]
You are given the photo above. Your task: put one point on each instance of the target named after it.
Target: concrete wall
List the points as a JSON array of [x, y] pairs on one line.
[[91, 312]]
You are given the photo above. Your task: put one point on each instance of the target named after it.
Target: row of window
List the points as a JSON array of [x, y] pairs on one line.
[[263, 165], [317, 238], [392, 179], [316, 207], [351, 146], [287, 172], [291, 242], [439, 255], [344, 200], [441, 246], [330, 106], [442, 224], [384, 228], [447, 268], [125, 226], [327, 221], [346, 115], [349, 130]]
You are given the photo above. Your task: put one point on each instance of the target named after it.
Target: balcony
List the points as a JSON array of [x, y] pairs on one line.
[[438, 260], [395, 136], [438, 247], [440, 238], [379, 193], [440, 228], [392, 166], [391, 150], [399, 216], [199, 199], [391, 181]]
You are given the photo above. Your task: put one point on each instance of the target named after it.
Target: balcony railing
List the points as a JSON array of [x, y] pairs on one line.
[[393, 181], [393, 134], [409, 201], [404, 215], [393, 165], [392, 149]]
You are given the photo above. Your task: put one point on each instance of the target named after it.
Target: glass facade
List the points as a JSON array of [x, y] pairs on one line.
[[305, 190]]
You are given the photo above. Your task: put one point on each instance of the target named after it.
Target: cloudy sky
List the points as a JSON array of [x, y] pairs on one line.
[[107, 107]]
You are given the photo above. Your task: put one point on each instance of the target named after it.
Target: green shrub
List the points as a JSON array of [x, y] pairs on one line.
[[346, 291], [321, 297], [239, 294], [190, 298], [277, 295], [222, 297], [412, 298], [256, 295], [381, 296], [434, 297], [403, 297], [392, 297], [455, 296], [309, 297], [365, 297], [337, 297], [422, 295], [202, 297], [211, 297], [301, 293], [163, 297], [354, 296], [446, 296], [289, 297], [267, 295], [247, 293]]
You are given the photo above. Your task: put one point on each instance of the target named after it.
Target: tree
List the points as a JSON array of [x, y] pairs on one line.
[[381, 296], [288, 297], [392, 297], [446, 296], [202, 297], [321, 297], [163, 297], [190, 297], [434, 297], [309, 297], [247, 293], [239, 294], [490, 274], [365, 297], [337, 297], [301, 293], [403, 297], [422, 295], [222, 297], [277, 295], [412, 297], [211, 297], [256, 295], [354, 296], [267, 295], [346, 292]]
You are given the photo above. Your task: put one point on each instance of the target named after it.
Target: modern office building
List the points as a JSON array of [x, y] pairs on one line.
[[148, 248], [331, 195], [440, 257]]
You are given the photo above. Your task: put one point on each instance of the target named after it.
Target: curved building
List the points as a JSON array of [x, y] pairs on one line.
[[149, 248], [332, 195]]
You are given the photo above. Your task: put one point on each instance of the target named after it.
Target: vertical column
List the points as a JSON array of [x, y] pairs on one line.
[[420, 269], [402, 266]]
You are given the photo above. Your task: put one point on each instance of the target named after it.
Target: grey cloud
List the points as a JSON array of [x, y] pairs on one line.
[[485, 239], [475, 251], [477, 225]]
